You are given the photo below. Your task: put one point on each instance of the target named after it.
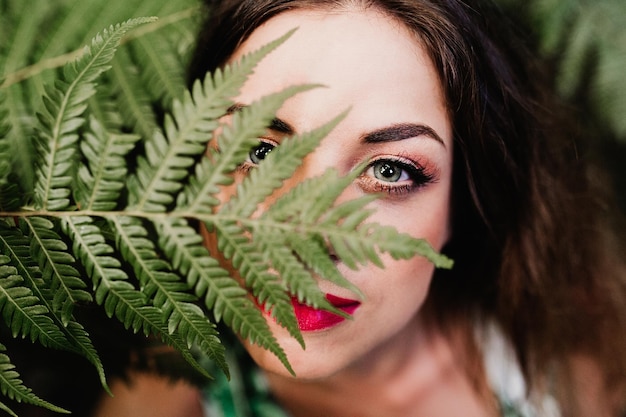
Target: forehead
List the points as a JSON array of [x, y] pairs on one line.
[[367, 60]]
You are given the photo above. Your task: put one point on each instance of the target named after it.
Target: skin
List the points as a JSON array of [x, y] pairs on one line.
[[382, 362]]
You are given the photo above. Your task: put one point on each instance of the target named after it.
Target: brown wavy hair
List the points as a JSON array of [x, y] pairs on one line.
[[533, 239]]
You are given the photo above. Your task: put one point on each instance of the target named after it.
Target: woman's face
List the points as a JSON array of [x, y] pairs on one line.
[[398, 119]]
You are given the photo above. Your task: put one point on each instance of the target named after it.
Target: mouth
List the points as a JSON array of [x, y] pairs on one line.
[[311, 319]]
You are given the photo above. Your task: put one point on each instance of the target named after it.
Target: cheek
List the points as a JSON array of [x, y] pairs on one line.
[[427, 218], [402, 286]]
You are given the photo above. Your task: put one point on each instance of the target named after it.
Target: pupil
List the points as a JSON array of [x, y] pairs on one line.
[[387, 172], [260, 152]]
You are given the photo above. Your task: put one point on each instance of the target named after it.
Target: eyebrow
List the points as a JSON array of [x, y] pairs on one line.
[[395, 132], [277, 125], [401, 131]]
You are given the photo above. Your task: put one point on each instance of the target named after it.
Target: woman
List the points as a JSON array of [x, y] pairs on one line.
[[465, 147]]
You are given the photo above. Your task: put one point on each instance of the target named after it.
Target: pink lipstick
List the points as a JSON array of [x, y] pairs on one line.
[[311, 319]]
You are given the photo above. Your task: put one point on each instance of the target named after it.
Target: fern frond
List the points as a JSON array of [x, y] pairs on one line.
[[111, 286], [374, 238], [21, 122], [163, 74], [32, 322], [23, 23], [264, 286], [104, 109], [313, 254], [321, 192], [65, 106], [56, 264], [12, 387], [20, 309], [324, 190], [7, 410], [165, 288], [277, 167], [234, 143], [185, 247], [9, 186], [170, 155], [99, 184], [112, 289], [294, 272], [131, 95], [71, 337], [223, 296]]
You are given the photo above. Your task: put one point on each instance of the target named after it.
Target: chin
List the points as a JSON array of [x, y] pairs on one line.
[[306, 364]]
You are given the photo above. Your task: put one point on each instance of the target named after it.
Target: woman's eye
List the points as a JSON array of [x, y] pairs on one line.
[[260, 152], [395, 176], [389, 171]]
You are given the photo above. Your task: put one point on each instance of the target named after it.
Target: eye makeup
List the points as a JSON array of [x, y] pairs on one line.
[[396, 176]]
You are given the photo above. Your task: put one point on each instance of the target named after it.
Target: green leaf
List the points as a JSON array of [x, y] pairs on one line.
[[65, 105], [9, 186], [112, 287], [265, 286], [170, 155], [163, 73], [277, 167], [165, 289], [234, 144], [56, 265], [23, 307], [223, 296], [100, 183], [67, 336], [12, 387], [298, 274]]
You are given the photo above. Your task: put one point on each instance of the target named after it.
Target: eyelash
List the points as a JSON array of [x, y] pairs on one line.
[[417, 176]]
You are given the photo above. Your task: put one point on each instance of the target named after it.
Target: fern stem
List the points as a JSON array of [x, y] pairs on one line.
[[45, 64]]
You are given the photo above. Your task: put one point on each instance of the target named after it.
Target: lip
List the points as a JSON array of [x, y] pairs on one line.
[[311, 319]]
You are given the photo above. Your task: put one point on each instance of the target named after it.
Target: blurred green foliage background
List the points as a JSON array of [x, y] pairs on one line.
[[583, 43]]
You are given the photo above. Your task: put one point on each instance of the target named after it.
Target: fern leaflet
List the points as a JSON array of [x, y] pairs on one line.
[[165, 288], [65, 106], [9, 188], [71, 337], [265, 286], [131, 96], [170, 155], [293, 270], [223, 296], [99, 184], [12, 386], [56, 265], [277, 167], [36, 324], [233, 146]]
